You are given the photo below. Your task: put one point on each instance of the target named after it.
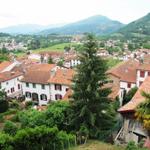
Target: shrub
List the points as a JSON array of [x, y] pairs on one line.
[[10, 128], [131, 146], [5, 142], [28, 104], [3, 106], [14, 104]]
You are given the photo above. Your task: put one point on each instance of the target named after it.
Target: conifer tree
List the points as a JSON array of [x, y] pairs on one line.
[[91, 106]]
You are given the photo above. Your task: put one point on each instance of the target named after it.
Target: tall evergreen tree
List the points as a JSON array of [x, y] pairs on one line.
[[91, 105]]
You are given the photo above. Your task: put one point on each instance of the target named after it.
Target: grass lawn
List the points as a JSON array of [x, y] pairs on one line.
[[96, 145], [57, 47]]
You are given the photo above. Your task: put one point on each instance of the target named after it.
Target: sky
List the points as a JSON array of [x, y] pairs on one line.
[[46, 12]]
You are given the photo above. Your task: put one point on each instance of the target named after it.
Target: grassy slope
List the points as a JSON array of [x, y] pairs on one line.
[[58, 47], [96, 145]]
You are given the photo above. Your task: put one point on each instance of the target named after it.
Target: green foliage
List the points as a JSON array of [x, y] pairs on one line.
[[29, 104], [57, 114], [129, 95], [31, 118], [10, 128], [143, 112], [91, 105], [50, 60], [37, 138], [14, 104], [112, 62], [131, 146], [3, 102], [5, 142]]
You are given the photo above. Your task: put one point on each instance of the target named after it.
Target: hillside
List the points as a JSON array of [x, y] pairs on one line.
[[138, 28], [99, 25], [27, 28]]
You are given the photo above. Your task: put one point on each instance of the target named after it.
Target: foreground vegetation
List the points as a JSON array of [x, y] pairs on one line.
[[97, 145]]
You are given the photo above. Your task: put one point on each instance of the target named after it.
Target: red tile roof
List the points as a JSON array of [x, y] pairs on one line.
[[4, 64], [62, 76], [137, 98], [8, 75], [125, 71]]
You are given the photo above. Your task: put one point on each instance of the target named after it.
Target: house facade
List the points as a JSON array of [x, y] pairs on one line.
[[46, 83], [10, 83]]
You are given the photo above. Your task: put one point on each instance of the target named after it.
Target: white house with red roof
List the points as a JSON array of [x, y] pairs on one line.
[[10, 83], [46, 82]]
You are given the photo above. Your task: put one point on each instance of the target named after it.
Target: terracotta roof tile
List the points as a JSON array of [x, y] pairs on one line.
[[137, 98], [62, 76], [125, 71], [8, 75], [4, 64]]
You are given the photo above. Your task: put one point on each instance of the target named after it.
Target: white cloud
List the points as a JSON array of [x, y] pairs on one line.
[[62, 11]]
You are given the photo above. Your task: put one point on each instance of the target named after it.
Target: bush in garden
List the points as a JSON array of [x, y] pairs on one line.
[[14, 104], [10, 128]]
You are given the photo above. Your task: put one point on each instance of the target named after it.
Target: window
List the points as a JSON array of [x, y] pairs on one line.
[[129, 85], [149, 73], [142, 74], [67, 89], [6, 83], [27, 84], [43, 97], [19, 86], [28, 94], [58, 87], [12, 90], [34, 85], [8, 91], [43, 86], [58, 96]]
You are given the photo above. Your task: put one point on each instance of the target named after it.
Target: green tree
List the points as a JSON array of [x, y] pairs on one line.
[[50, 60], [91, 105], [3, 102], [143, 112], [129, 95]]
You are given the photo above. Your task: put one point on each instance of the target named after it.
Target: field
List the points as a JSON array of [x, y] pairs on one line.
[[57, 47], [96, 145]]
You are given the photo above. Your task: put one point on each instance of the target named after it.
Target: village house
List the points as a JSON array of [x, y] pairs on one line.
[[46, 82], [123, 76], [132, 129], [10, 83]]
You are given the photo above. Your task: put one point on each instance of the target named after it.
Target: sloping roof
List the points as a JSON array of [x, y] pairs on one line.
[[125, 71], [35, 76], [4, 65], [144, 66], [62, 76], [8, 75], [67, 95], [137, 98], [45, 73]]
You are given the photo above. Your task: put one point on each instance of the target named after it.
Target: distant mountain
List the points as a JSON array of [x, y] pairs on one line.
[[27, 28], [138, 28], [99, 25]]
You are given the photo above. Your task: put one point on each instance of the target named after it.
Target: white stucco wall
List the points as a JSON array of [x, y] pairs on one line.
[[54, 92], [140, 79], [37, 90], [13, 83]]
